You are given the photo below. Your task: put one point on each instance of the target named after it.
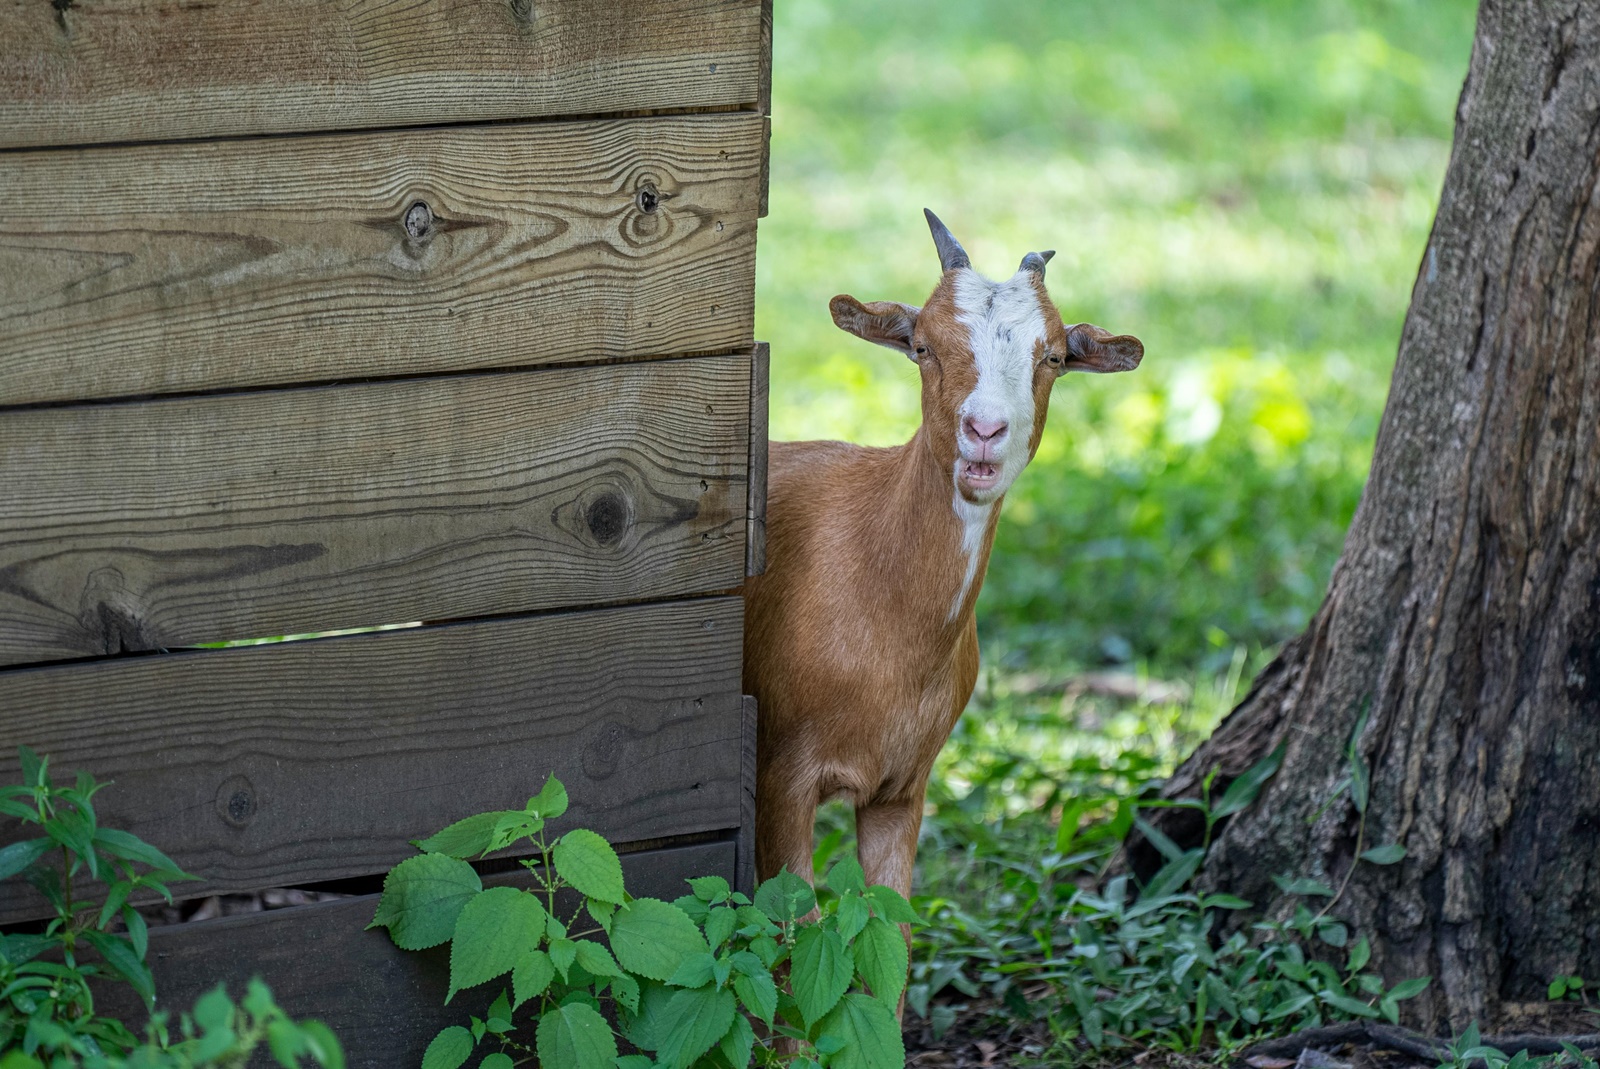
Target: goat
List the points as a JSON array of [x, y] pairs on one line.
[[861, 647]]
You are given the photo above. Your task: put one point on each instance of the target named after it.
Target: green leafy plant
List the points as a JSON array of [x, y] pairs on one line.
[[1468, 1051], [1107, 963], [1568, 988], [47, 1010], [713, 979], [219, 1035]]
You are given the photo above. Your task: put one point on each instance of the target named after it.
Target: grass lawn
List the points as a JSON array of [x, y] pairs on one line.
[[1248, 187]]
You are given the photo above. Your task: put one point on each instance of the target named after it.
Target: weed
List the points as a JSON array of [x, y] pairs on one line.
[[47, 1011], [685, 978]]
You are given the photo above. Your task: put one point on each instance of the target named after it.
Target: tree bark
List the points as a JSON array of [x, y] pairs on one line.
[[1465, 609]]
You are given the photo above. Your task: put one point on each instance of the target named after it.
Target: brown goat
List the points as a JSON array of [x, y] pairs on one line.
[[860, 645]]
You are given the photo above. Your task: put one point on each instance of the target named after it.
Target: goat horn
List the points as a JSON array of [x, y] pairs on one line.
[[1035, 261], [951, 254]]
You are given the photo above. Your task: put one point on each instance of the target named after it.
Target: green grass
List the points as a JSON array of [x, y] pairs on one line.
[[1247, 186]]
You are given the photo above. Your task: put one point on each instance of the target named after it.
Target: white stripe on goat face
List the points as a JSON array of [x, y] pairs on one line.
[[1006, 325]]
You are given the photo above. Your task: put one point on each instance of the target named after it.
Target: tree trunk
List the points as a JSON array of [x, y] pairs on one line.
[[1465, 610]]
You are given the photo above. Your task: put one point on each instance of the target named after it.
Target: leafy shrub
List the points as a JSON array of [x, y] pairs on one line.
[[1106, 963], [47, 1014], [820, 980]]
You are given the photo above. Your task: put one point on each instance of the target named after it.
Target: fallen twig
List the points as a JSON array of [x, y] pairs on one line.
[[1406, 1041]]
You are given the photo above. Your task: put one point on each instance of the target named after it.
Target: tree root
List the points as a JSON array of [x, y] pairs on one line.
[[1405, 1041]]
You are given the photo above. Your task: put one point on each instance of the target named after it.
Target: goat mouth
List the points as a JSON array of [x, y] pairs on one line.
[[979, 474]]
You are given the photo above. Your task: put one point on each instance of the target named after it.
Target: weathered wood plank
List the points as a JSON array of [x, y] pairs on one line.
[[174, 522], [755, 546], [385, 1004], [308, 259], [311, 761], [142, 70]]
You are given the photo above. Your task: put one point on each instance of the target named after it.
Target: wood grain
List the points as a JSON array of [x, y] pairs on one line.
[[756, 538], [179, 268], [144, 70], [384, 1004], [304, 762], [167, 523]]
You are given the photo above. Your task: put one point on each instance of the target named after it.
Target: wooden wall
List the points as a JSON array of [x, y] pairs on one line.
[[326, 316]]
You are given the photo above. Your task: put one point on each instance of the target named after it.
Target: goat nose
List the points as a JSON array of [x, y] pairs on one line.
[[986, 430]]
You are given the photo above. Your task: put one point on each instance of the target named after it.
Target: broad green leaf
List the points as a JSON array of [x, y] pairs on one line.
[[652, 938], [422, 899], [646, 1024], [696, 971], [563, 953], [720, 924], [18, 856], [497, 1060], [1333, 933], [121, 956], [710, 888], [881, 959], [847, 876], [531, 975], [870, 1033], [497, 929], [1557, 988], [551, 801], [852, 915], [1223, 901], [574, 1036], [596, 960], [1360, 954], [625, 989], [891, 905], [785, 897], [626, 1061], [819, 971], [511, 827], [758, 992], [586, 861], [739, 1043], [699, 1018], [1388, 854], [471, 837], [323, 1045], [1244, 789], [1409, 988], [1348, 1005]]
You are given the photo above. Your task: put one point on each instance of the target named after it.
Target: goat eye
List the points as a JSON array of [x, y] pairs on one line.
[[1053, 359], [922, 350]]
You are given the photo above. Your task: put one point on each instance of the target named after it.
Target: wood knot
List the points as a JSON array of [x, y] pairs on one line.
[[522, 11], [236, 801], [607, 517], [418, 221], [648, 198]]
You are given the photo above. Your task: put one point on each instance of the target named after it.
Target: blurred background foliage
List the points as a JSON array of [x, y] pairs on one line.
[[1247, 185]]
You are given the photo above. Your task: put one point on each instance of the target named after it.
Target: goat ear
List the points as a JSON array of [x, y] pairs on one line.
[[1089, 348], [880, 322]]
